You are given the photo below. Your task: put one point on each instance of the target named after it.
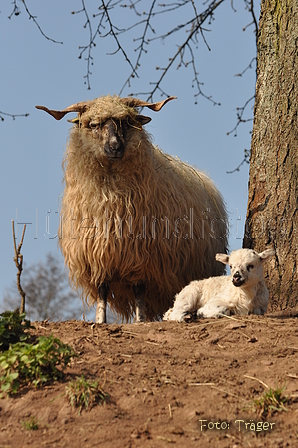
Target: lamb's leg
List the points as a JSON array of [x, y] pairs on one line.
[[101, 308], [214, 308], [139, 291], [186, 303]]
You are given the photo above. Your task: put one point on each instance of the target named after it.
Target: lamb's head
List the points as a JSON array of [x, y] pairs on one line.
[[109, 121], [246, 265]]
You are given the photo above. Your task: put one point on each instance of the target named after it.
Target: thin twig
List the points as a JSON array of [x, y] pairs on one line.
[[229, 317], [227, 392], [256, 379], [292, 375], [13, 116], [247, 68], [250, 7], [16, 11], [18, 259], [240, 112], [196, 28], [245, 160], [141, 47]]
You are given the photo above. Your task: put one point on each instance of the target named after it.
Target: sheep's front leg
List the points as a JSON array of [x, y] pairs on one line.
[[101, 308], [139, 291]]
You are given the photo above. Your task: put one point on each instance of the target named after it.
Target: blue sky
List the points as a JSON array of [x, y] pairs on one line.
[[37, 71]]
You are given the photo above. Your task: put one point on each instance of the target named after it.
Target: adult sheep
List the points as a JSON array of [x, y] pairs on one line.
[[136, 224]]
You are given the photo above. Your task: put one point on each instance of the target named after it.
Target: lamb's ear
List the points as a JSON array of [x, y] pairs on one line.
[[223, 258], [266, 254]]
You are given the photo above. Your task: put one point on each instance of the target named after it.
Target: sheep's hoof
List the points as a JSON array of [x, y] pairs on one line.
[[189, 317]]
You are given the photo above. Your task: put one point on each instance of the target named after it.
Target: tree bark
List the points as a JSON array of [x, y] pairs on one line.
[[272, 212]]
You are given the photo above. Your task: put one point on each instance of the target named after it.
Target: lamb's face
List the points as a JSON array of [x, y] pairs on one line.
[[246, 265]]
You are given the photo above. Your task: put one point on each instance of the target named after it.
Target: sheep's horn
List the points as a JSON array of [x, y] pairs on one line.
[[58, 114], [135, 102]]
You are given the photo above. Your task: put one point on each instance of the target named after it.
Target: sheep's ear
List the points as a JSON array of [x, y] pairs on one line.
[[58, 114], [142, 119], [223, 258], [266, 254]]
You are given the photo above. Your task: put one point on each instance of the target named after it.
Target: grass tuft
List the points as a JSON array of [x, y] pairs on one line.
[[271, 401], [31, 424], [84, 394]]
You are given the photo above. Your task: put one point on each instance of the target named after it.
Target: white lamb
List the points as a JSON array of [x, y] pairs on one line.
[[242, 292]]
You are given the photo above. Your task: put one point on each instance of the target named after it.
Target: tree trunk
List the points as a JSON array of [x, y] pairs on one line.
[[272, 213]]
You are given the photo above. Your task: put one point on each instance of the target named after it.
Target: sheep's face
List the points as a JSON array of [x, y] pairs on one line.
[[111, 137], [110, 124], [246, 265]]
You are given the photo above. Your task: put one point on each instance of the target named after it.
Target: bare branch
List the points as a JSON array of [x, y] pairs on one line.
[[48, 294], [247, 68], [185, 53], [240, 119], [196, 27], [249, 5], [141, 47], [18, 259], [13, 116], [114, 34], [113, 31], [245, 160], [88, 47], [16, 11]]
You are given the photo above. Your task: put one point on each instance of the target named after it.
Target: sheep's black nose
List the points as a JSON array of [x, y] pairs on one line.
[[114, 150], [115, 144], [237, 279]]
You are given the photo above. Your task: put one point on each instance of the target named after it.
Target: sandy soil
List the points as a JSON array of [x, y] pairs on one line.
[[191, 385]]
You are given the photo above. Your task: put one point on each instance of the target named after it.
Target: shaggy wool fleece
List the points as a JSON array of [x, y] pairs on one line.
[[147, 217]]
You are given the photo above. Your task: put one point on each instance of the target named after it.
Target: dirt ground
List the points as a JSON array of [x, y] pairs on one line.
[[191, 385]]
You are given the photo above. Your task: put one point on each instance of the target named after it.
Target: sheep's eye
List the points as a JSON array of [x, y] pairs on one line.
[[249, 267], [93, 125]]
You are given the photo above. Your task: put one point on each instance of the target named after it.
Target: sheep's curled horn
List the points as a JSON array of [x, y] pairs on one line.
[[129, 102]]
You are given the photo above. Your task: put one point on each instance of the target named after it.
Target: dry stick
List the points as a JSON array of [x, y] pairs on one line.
[[227, 392], [18, 259], [256, 379], [292, 375]]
